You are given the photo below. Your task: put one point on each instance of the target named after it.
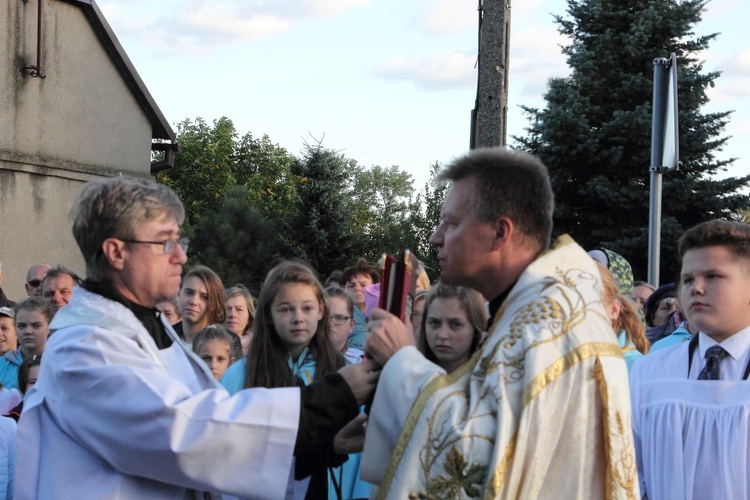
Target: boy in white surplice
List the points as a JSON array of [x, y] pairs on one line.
[[691, 402]]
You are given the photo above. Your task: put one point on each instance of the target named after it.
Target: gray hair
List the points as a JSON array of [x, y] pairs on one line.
[[114, 208], [509, 184], [59, 270]]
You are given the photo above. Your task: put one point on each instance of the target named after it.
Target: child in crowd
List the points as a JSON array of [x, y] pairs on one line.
[[691, 401], [453, 320], [8, 339], [344, 481], [32, 317], [417, 308], [213, 345], [27, 376], [341, 309], [625, 319], [291, 346]]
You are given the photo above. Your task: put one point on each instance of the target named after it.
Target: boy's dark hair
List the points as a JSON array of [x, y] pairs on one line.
[[730, 234], [361, 267]]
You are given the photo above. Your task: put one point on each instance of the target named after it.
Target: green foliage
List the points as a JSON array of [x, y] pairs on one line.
[[424, 218], [595, 132], [214, 159], [322, 228], [381, 199], [237, 240], [248, 202]]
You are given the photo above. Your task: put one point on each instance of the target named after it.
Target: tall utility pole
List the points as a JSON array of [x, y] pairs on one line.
[[489, 117]]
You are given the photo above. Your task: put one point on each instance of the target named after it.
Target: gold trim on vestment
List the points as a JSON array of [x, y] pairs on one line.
[[566, 362], [621, 471], [560, 242], [601, 382], [537, 385], [439, 382]]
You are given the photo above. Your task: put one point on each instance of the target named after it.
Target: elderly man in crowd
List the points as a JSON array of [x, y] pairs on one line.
[[34, 277], [112, 416], [542, 408]]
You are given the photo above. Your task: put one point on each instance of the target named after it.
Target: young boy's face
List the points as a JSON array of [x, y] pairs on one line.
[[715, 290], [8, 340]]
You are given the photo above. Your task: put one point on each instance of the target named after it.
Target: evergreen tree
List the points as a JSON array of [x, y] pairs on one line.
[[322, 229], [236, 240], [594, 133], [425, 218]]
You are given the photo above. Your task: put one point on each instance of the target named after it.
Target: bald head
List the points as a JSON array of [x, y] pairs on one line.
[[34, 277]]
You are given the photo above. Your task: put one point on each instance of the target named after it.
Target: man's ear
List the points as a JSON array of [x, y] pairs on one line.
[[114, 252], [504, 229]]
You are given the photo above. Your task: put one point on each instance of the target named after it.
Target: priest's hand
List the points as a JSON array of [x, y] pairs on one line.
[[362, 378], [351, 437], [386, 334]]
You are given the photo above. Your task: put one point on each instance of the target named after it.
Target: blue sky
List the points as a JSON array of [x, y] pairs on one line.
[[385, 82]]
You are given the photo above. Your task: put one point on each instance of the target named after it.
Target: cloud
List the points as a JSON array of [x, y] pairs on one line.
[[192, 26], [438, 72], [535, 58], [734, 82], [445, 17], [720, 8]]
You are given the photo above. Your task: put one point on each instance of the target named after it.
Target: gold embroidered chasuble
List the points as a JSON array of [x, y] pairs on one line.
[[541, 410]]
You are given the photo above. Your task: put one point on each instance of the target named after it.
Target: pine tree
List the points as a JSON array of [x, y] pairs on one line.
[[594, 133], [322, 229]]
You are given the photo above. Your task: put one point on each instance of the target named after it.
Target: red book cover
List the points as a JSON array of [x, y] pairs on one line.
[[397, 283]]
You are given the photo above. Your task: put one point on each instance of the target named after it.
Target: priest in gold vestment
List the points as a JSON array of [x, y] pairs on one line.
[[542, 409]]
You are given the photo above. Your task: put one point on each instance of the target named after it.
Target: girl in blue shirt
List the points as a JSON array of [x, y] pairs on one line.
[[291, 346]]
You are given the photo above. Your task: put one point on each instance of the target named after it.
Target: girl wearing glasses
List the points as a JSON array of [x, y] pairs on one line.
[[341, 307]]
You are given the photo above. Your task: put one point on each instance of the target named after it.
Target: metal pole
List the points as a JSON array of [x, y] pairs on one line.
[[654, 227], [656, 168]]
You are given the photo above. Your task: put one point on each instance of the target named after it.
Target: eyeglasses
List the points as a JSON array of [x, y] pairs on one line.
[[34, 283], [338, 319], [169, 245]]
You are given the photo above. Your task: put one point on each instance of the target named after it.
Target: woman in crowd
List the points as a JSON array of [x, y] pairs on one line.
[[201, 301], [625, 319], [240, 313]]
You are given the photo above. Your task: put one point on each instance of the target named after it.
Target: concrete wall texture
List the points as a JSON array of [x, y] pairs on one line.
[[79, 123]]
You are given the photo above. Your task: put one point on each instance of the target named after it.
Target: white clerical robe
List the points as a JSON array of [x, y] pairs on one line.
[[540, 411], [692, 436], [111, 416]]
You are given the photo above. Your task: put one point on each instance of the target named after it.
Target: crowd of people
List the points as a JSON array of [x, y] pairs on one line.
[[526, 371]]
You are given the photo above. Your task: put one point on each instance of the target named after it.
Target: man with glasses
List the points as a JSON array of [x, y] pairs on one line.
[[113, 416], [34, 277]]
